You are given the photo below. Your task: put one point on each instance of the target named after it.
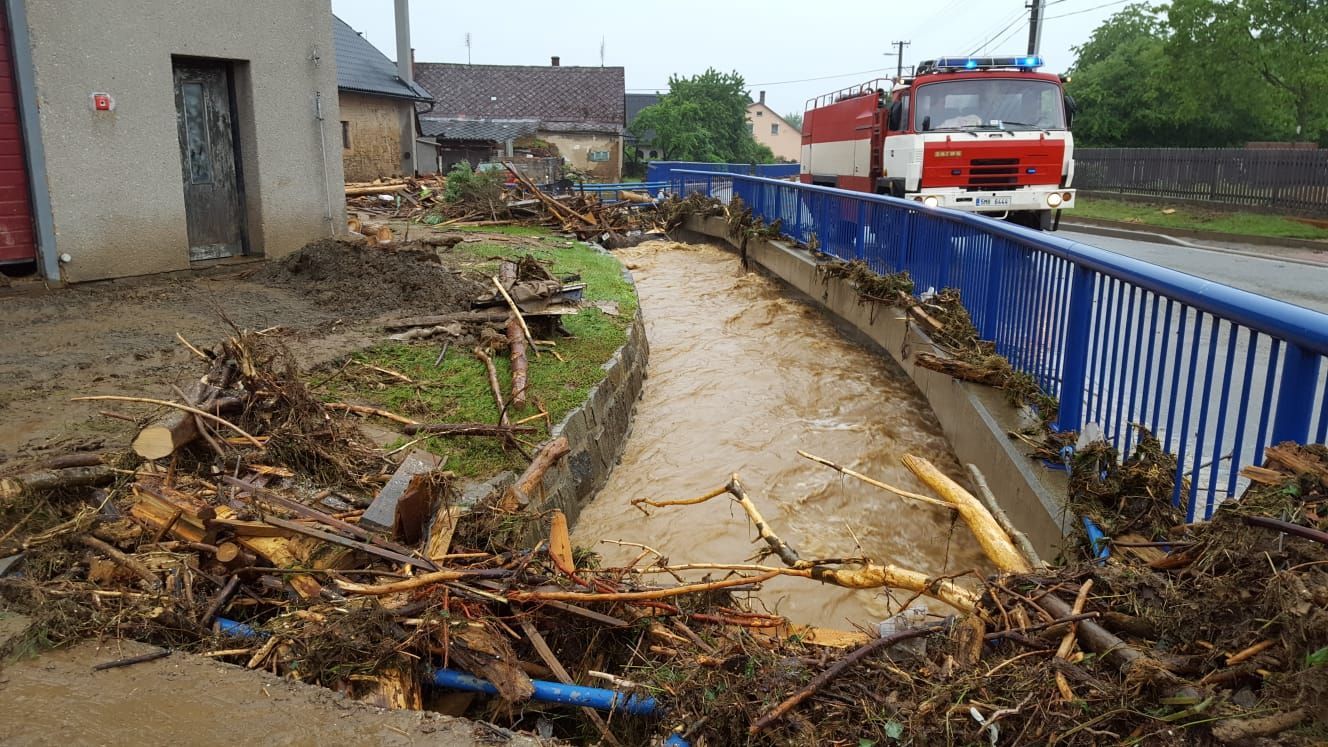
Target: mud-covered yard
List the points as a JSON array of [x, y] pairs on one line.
[[120, 336]]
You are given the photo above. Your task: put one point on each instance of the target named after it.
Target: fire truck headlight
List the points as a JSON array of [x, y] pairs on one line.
[[930, 201], [1054, 199]]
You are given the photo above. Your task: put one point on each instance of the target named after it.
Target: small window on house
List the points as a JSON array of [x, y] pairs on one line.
[[774, 128], [345, 135], [760, 113], [599, 155], [751, 127]]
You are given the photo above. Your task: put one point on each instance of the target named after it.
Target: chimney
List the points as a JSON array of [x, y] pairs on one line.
[[405, 57], [554, 60], [762, 97]]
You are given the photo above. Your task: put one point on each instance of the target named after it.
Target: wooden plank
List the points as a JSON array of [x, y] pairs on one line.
[[382, 512]]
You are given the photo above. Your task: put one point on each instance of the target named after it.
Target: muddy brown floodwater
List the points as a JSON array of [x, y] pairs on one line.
[[742, 376]]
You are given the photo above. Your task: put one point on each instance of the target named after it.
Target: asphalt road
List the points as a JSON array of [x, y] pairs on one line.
[[1295, 282], [1296, 276]]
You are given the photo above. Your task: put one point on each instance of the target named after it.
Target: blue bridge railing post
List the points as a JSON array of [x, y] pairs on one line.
[[860, 232], [1295, 396], [991, 309], [1074, 369]]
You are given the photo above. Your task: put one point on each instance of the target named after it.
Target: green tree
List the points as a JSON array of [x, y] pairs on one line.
[[1139, 82], [703, 118], [794, 119], [1272, 54], [1119, 82]]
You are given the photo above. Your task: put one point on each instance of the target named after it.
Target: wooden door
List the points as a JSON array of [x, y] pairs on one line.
[[214, 208]]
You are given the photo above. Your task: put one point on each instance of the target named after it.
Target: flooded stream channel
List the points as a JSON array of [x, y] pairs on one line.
[[742, 376]]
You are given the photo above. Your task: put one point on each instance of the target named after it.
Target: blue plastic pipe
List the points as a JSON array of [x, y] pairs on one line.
[[555, 692], [238, 629], [1096, 538]]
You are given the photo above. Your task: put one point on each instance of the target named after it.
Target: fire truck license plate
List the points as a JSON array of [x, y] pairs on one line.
[[982, 201]]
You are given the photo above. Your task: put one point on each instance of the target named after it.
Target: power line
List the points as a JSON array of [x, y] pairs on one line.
[[784, 82], [1018, 19], [1087, 10]]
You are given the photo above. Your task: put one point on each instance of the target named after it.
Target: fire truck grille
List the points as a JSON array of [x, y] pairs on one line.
[[985, 173]]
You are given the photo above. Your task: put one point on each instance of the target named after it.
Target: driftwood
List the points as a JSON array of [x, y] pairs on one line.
[[838, 668], [519, 493], [493, 385], [466, 429], [517, 335], [996, 545], [54, 479], [963, 371], [998, 513]]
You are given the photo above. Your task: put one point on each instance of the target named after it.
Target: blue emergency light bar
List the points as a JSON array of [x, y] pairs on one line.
[[980, 63]]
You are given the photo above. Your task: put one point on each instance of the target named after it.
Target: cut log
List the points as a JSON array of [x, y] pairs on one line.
[[516, 339], [560, 543], [233, 556], [176, 428], [395, 686], [53, 479]]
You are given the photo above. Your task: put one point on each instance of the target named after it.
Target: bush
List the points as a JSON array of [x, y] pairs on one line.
[[466, 187]]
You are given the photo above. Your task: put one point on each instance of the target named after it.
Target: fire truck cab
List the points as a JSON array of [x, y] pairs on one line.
[[981, 134]]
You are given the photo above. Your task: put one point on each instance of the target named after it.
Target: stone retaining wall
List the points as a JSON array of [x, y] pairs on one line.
[[597, 430]]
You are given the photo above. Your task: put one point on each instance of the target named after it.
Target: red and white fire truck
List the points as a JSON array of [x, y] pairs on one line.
[[982, 134]]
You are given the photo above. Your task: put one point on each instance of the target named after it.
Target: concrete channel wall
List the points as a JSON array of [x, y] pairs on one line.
[[975, 419]]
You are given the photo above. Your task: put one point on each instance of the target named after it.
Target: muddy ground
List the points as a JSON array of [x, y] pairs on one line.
[[64, 702], [118, 337]]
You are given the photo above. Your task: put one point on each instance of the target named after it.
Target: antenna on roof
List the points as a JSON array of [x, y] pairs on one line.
[[601, 51], [467, 47]]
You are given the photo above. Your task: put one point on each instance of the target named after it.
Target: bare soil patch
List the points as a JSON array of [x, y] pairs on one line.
[[119, 336]]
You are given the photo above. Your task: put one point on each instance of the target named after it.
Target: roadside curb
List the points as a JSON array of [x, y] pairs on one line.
[[1158, 238], [1164, 235]]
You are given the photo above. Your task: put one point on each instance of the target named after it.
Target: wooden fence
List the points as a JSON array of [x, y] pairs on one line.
[[1286, 180]]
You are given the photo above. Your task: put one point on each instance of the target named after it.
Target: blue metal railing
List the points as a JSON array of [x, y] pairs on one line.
[[662, 171], [1215, 372], [609, 192]]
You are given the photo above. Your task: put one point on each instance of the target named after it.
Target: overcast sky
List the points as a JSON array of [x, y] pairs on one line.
[[777, 45]]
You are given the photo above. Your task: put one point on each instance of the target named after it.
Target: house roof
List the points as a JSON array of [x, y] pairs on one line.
[[361, 68], [638, 101], [488, 130], [566, 98]]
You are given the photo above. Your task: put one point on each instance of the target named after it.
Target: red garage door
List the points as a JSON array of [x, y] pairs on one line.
[[16, 234]]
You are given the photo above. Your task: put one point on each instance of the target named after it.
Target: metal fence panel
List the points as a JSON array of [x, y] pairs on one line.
[[662, 171], [1290, 180], [1216, 373]]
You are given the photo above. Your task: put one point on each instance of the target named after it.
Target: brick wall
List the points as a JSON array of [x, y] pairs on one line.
[[374, 125]]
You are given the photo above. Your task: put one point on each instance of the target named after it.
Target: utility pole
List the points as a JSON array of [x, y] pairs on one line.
[[1034, 26], [899, 47]]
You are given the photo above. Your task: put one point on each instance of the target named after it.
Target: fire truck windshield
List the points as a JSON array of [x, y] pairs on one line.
[[991, 103]]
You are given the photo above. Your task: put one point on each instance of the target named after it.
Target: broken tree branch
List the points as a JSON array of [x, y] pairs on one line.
[[998, 513]]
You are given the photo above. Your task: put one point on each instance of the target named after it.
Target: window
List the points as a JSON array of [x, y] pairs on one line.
[[997, 103], [345, 135], [751, 127], [774, 128], [599, 155], [198, 148], [760, 113]]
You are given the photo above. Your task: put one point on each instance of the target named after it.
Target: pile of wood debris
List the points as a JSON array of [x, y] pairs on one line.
[[253, 523], [516, 202]]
